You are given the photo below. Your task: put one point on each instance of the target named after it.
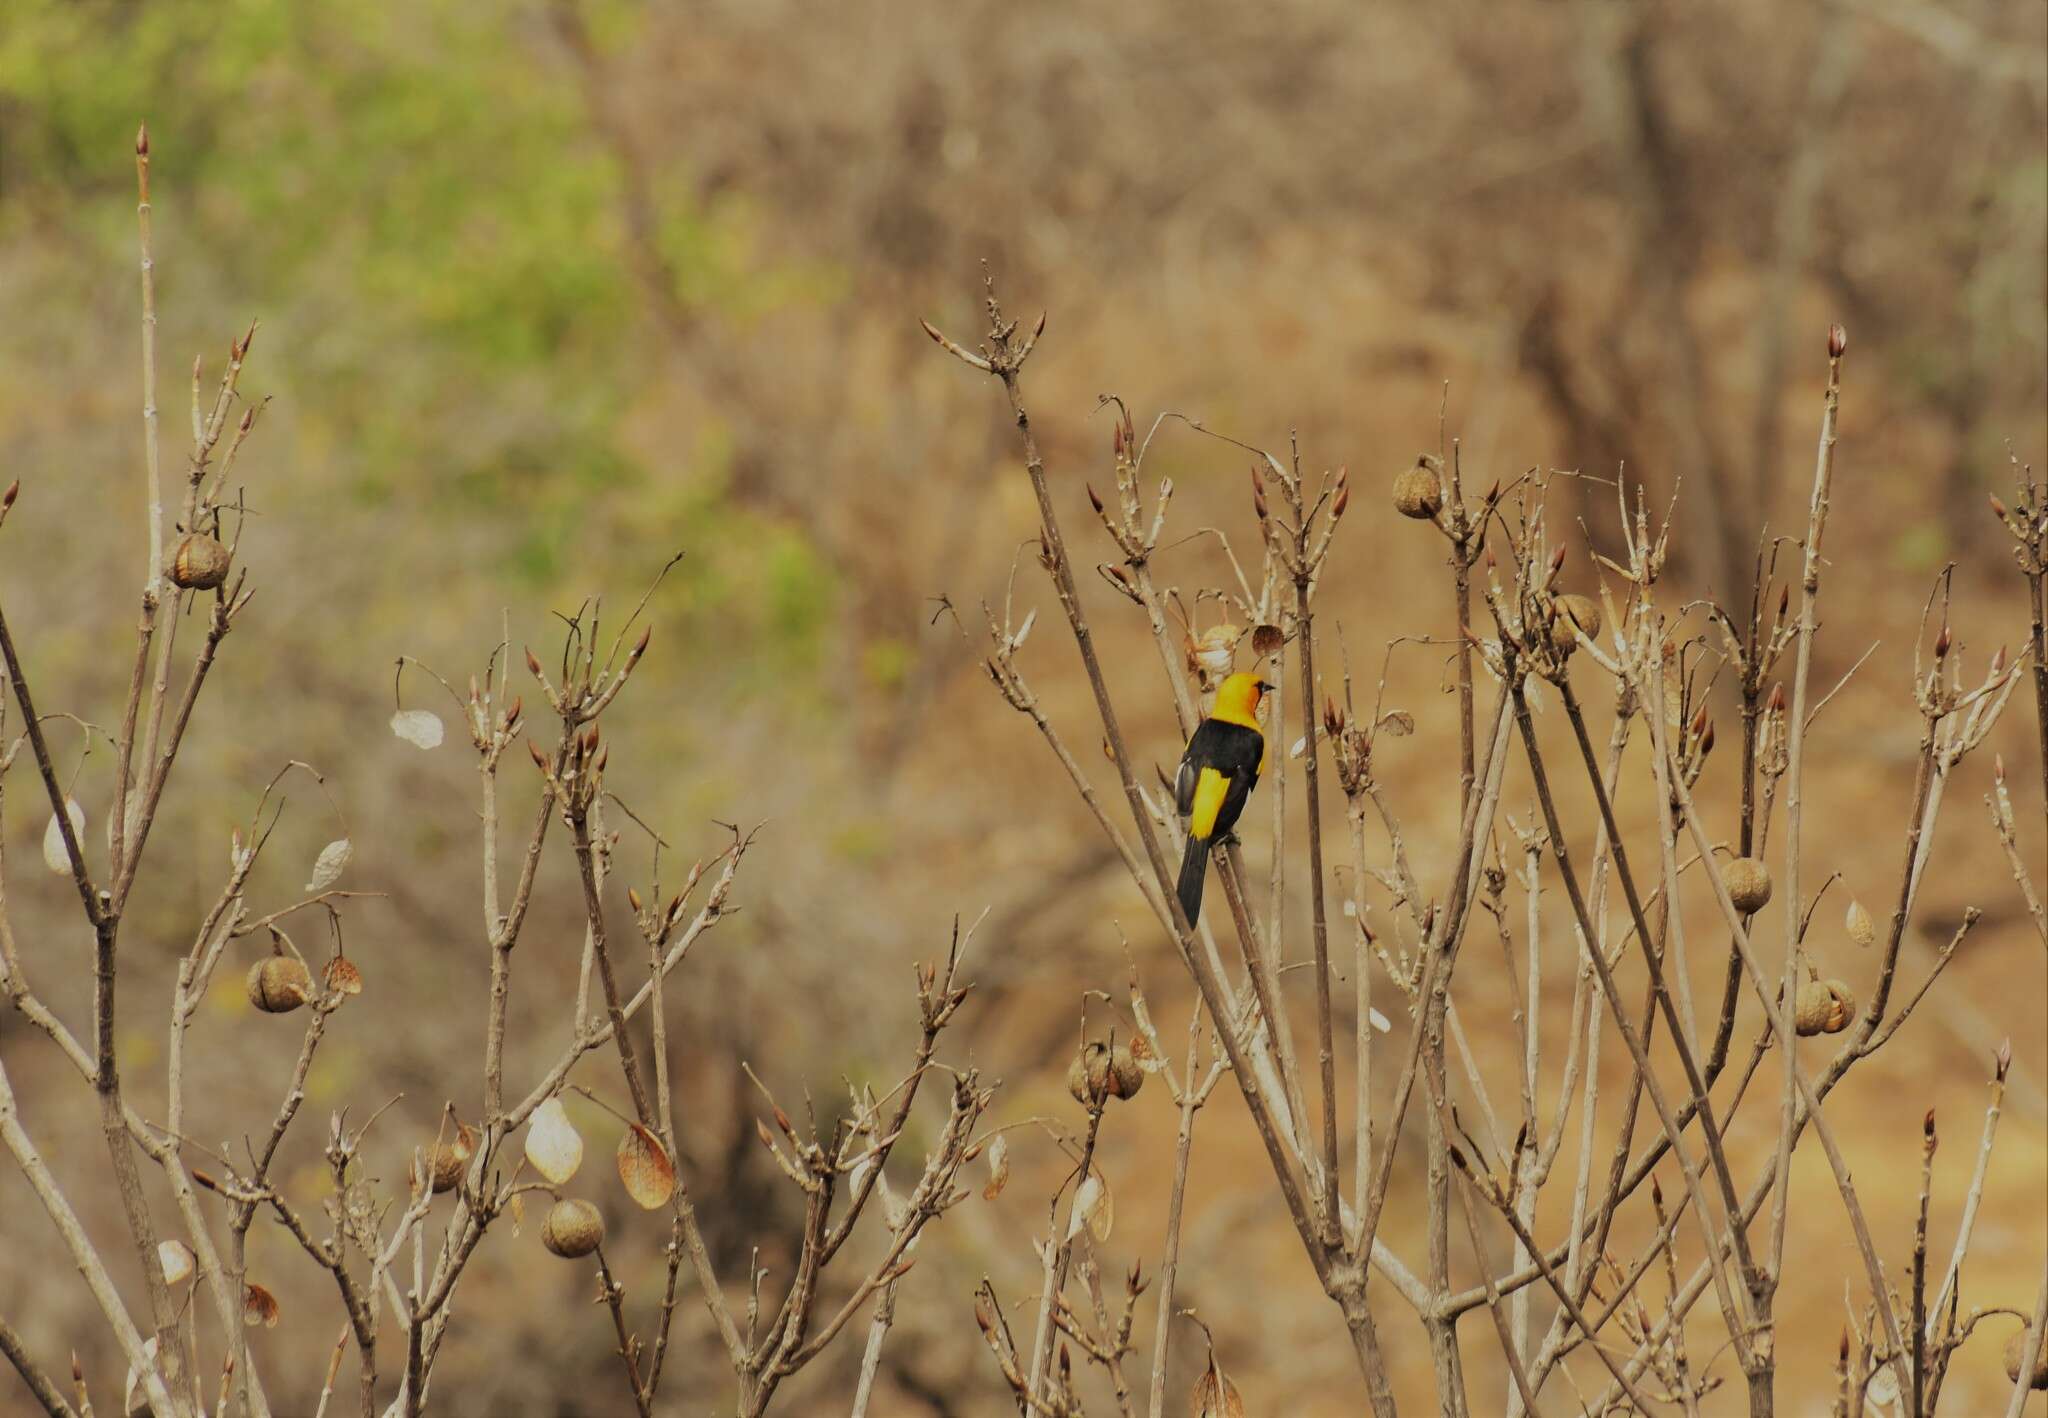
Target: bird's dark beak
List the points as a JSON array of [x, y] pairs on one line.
[[1265, 688]]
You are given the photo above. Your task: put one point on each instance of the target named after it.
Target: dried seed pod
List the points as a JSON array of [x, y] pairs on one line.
[[1418, 493], [2013, 1350], [1126, 1076], [1823, 1007], [1841, 1007], [279, 984], [1569, 611], [1089, 1076], [200, 563], [449, 1158], [1210, 654], [573, 1228], [1749, 884], [1813, 1006]]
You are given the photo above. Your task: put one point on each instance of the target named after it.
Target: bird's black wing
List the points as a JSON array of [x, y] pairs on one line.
[[1207, 748], [1233, 751]]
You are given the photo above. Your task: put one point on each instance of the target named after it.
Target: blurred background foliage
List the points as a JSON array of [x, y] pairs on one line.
[[548, 291]]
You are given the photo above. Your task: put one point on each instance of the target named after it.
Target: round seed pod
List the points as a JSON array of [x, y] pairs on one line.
[[1812, 1006], [449, 1158], [1089, 1075], [200, 563], [2014, 1348], [1749, 884], [573, 1228], [1418, 493], [1841, 1008], [1126, 1077], [1568, 611], [1823, 1007], [279, 984]]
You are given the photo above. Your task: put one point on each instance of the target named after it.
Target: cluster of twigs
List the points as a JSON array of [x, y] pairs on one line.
[[397, 1255], [1543, 647], [1564, 1292]]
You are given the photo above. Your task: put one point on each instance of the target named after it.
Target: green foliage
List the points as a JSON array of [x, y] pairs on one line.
[[413, 199]]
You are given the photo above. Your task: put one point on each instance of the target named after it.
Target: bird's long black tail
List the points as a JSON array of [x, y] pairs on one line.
[[1194, 870]]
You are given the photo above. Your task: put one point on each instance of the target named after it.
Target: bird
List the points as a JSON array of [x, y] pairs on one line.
[[1218, 771]]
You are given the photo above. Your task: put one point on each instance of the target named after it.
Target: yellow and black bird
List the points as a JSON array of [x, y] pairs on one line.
[[1217, 773]]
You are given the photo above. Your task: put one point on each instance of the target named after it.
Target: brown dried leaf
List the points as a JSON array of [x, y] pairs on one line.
[[1092, 1208], [343, 978], [553, 1145], [645, 1169], [1397, 722], [259, 1306], [998, 1167], [516, 1207], [1102, 1215], [1266, 639], [1216, 1396]]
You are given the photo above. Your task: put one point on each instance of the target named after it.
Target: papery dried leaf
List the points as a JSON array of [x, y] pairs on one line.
[[1144, 1046], [176, 1260], [329, 865], [645, 1169], [894, 1207], [259, 1306], [553, 1145], [516, 1209], [343, 978], [1216, 1396], [1398, 722], [1377, 1020], [418, 727], [998, 1167], [54, 856], [1092, 1208], [1102, 1215]]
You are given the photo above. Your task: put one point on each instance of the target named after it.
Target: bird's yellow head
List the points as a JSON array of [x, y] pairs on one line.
[[1237, 699]]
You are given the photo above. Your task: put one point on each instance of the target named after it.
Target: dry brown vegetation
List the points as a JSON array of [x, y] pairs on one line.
[[1619, 234]]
